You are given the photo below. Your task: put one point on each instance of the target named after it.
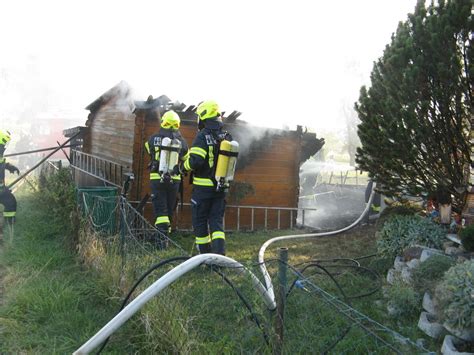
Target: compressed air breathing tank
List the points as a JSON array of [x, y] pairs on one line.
[[226, 162], [174, 154], [164, 155], [232, 161], [169, 155]]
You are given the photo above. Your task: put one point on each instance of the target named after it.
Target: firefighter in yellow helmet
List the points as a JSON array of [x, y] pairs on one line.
[[166, 149], [207, 201], [6, 197]]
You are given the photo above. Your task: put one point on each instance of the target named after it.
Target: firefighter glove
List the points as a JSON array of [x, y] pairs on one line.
[[178, 169], [12, 169], [154, 165], [228, 136]]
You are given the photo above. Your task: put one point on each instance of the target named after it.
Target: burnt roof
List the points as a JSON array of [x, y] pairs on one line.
[[151, 103], [122, 89]]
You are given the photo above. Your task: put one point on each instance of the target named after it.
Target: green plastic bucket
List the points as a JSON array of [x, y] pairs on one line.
[[100, 205]]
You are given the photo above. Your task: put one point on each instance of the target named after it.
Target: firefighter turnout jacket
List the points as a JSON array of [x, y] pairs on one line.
[[208, 204], [153, 148], [165, 185], [203, 155], [6, 197]]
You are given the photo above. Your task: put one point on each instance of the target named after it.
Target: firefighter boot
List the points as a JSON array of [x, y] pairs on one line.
[[204, 248], [163, 241], [9, 220], [161, 238], [218, 246]]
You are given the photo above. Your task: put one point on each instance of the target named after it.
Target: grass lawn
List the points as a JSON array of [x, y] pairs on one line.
[[52, 303], [49, 301]]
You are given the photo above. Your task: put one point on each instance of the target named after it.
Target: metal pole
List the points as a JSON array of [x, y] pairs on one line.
[[67, 156], [281, 300], [238, 219], [266, 218], [42, 161], [253, 216], [123, 239], [39, 150]]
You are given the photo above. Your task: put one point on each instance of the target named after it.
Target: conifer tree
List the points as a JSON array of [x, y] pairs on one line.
[[415, 117]]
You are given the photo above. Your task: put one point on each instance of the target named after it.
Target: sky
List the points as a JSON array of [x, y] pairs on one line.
[[281, 63]]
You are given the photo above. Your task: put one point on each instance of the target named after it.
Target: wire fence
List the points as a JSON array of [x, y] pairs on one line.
[[118, 226], [217, 309], [338, 321]]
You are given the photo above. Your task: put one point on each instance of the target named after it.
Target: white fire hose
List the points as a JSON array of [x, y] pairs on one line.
[[261, 253], [159, 285]]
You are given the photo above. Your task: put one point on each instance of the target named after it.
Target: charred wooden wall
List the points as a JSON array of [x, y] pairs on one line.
[[111, 134]]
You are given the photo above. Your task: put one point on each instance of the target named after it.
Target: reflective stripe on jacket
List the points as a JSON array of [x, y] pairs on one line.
[[152, 147], [203, 154]]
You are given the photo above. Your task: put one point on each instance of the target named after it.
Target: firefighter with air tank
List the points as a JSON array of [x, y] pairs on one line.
[[212, 159], [6, 197], [166, 149]]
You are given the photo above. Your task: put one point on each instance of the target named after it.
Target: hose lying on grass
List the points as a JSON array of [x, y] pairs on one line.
[[110, 328], [266, 291]]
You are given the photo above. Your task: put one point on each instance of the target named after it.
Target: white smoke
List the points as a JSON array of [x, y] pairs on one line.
[[331, 189]]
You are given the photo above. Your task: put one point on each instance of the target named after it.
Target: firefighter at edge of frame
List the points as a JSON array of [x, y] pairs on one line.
[[375, 207], [166, 149], [6, 197], [208, 199]]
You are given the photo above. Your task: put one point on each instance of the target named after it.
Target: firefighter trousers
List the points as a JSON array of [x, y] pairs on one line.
[[9, 203], [164, 198], [208, 216]]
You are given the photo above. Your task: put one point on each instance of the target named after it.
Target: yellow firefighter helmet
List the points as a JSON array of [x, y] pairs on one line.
[[170, 120], [208, 109], [4, 137]]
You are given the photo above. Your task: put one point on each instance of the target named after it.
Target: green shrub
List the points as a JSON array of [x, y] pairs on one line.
[[57, 194], [430, 272], [455, 296], [467, 237], [404, 300], [380, 265], [401, 232], [58, 188], [397, 209], [400, 210]]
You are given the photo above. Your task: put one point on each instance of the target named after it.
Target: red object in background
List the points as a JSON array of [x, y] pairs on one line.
[[49, 131], [430, 206]]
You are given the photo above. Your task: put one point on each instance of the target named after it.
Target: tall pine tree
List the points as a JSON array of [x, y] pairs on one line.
[[415, 117]]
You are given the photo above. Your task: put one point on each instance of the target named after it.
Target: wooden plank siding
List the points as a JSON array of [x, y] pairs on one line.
[[273, 172], [111, 135], [117, 134]]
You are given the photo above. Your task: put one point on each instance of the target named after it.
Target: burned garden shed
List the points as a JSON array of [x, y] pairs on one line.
[[266, 187]]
